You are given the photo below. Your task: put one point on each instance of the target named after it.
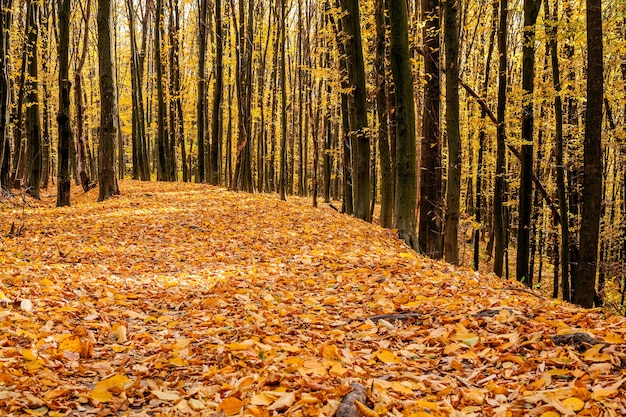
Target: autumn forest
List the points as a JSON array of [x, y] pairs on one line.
[[312, 207]]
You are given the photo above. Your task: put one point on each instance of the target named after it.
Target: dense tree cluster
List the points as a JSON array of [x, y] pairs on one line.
[[482, 121]]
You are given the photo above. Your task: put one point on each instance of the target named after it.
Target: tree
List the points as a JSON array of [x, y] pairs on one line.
[[63, 116], [499, 220], [203, 14], [282, 182], [386, 186], [451, 40], [431, 193], [33, 119], [216, 120], [107, 182], [358, 112], [163, 168], [406, 163], [531, 11], [584, 291], [5, 96]]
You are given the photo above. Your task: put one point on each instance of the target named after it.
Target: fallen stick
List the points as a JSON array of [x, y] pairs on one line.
[[348, 407]]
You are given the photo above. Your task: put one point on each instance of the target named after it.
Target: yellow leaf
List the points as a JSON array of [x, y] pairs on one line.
[[387, 357], [337, 370], [101, 395], [574, 403], [115, 384], [331, 301], [550, 414], [365, 410], [28, 354], [178, 361], [594, 355], [235, 346], [71, 344], [262, 399], [614, 338], [230, 406]]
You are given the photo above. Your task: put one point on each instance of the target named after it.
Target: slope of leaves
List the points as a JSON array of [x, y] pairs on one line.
[[179, 299]]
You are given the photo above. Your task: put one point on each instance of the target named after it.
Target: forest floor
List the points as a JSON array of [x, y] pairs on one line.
[[186, 299]]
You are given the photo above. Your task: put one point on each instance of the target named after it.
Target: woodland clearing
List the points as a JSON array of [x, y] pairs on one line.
[[187, 299]]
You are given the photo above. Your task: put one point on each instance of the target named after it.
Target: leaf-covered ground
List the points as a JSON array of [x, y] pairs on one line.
[[179, 299]]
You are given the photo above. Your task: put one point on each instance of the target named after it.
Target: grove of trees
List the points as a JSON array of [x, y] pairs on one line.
[[483, 131]]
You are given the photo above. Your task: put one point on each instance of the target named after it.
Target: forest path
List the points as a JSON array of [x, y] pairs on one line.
[[186, 299]]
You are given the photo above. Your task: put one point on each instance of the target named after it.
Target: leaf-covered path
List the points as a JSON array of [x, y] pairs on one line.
[[179, 299]]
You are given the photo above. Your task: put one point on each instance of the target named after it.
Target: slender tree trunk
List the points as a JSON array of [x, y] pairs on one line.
[[386, 191], [107, 180], [531, 10], [481, 141], [451, 40], [33, 119], [431, 193], [202, 86], [584, 291], [63, 116], [177, 128], [5, 91], [358, 128], [163, 172], [499, 218], [406, 162], [282, 182], [80, 106], [216, 121], [551, 32]]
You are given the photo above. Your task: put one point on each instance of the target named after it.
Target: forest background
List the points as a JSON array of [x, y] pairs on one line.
[[479, 126]]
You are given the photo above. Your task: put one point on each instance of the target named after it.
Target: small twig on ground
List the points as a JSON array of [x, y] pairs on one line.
[[525, 290], [580, 340], [396, 317]]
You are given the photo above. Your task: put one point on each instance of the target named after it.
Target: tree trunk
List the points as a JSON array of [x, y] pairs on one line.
[[551, 32], [358, 109], [499, 217], [406, 163], [163, 171], [451, 40], [531, 10], [584, 291], [282, 182], [108, 105], [431, 193], [202, 86], [5, 92], [80, 106], [33, 120], [386, 186], [216, 121], [63, 116]]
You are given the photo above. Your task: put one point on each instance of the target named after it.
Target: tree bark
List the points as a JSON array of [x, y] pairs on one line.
[[63, 116], [216, 121], [282, 182], [499, 218], [584, 291], [406, 163], [451, 40], [33, 120], [108, 105], [531, 11], [358, 127], [431, 193], [202, 86], [5, 92], [163, 171]]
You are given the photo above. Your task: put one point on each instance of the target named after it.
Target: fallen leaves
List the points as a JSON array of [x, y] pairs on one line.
[[184, 300]]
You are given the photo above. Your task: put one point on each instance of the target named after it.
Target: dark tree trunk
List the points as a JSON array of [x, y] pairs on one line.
[[406, 163], [481, 142], [584, 291], [216, 121], [107, 180], [63, 116], [177, 128], [5, 91], [551, 32], [80, 106], [431, 193], [202, 86], [163, 171], [33, 119], [386, 186], [358, 110], [531, 10], [282, 182], [499, 217], [453, 131]]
